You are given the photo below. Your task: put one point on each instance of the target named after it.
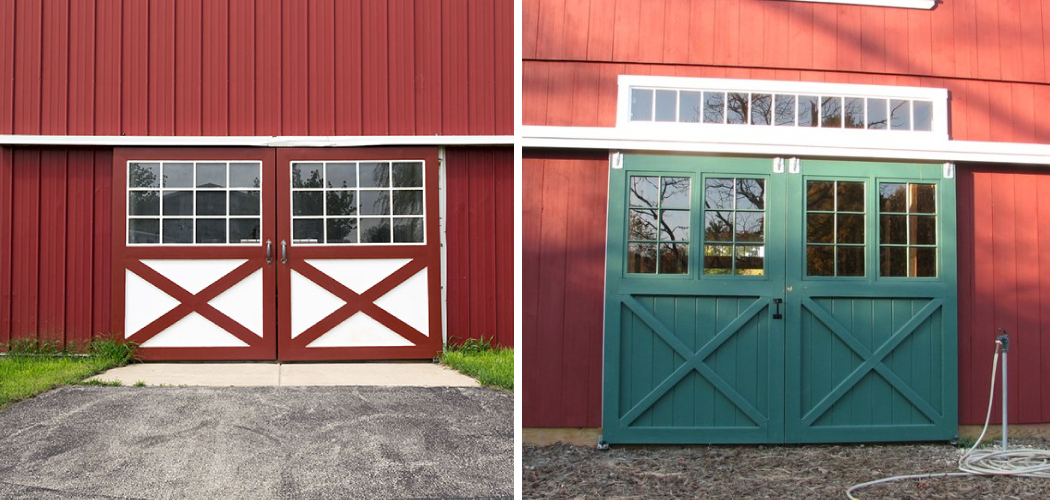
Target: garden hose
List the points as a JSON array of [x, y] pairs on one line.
[[1011, 462]]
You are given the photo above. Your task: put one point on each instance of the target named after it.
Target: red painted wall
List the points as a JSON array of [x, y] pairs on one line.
[[55, 225], [990, 55], [563, 284], [1004, 281], [256, 67]]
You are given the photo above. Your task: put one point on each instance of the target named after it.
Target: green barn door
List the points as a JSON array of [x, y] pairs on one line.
[[745, 305]]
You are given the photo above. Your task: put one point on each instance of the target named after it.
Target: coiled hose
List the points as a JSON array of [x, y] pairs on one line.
[[1015, 462]]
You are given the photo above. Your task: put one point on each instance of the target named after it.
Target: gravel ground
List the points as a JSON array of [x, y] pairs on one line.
[[762, 472]]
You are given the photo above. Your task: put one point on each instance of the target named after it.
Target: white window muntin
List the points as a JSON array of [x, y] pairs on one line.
[[160, 217], [938, 99], [357, 190]]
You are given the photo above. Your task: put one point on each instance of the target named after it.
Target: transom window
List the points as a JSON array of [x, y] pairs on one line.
[[658, 225], [907, 229], [194, 203], [835, 228], [349, 202], [734, 226]]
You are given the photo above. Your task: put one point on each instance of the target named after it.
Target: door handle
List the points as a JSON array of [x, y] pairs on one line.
[[284, 252], [776, 314], [269, 252]]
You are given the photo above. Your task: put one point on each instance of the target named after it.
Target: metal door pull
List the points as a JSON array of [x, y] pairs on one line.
[[284, 252], [269, 252]]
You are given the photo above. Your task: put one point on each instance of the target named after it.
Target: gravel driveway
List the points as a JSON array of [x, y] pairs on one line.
[[761, 472], [259, 442]]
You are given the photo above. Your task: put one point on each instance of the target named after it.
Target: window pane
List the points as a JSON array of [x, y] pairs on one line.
[[342, 230], [340, 175], [785, 109], [893, 229], [178, 230], [718, 226], [749, 226], [674, 192], [666, 105], [900, 114], [850, 228], [641, 225], [674, 225], [923, 115], [408, 230], [307, 203], [244, 203], [892, 197], [761, 109], [375, 202], [408, 202], [641, 105], [750, 194], [144, 175], [853, 112], [306, 175], [341, 203], [850, 196], [245, 175], [820, 228], [820, 261], [244, 231], [211, 202], [831, 112], [374, 174], [408, 174], [211, 175], [820, 195], [211, 231], [893, 261], [923, 230], [178, 203], [645, 191], [714, 107], [923, 199], [144, 231], [750, 260], [689, 107], [850, 261], [923, 262], [808, 110], [674, 258], [178, 175], [144, 203], [307, 230], [641, 258], [375, 230], [718, 259], [737, 108], [718, 193], [877, 113]]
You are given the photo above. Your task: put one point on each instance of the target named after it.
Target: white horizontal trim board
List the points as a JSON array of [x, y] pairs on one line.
[[287, 141], [908, 4], [803, 145]]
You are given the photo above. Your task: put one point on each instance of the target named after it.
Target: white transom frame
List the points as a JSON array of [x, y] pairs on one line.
[[938, 96]]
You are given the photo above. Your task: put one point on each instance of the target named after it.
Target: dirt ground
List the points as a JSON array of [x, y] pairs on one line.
[[762, 472]]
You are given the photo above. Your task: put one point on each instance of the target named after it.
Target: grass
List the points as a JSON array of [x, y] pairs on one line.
[[31, 367], [492, 366]]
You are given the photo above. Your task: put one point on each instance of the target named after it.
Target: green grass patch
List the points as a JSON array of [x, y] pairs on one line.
[[30, 367], [492, 366]]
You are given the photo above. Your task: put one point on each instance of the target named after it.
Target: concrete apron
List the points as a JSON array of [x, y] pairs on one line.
[[296, 374]]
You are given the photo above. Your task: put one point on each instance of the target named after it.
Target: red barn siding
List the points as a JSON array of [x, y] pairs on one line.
[[563, 287], [54, 250], [1004, 281], [267, 67], [480, 244]]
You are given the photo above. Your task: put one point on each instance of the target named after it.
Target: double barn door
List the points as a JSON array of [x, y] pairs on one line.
[[290, 254], [762, 301]]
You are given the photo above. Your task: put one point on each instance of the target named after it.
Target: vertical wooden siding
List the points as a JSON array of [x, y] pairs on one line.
[[480, 239], [1004, 281], [563, 287], [266, 67], [54, 243]]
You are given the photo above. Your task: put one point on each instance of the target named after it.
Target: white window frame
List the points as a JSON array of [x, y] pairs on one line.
[[766, 133], [905, 4]]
